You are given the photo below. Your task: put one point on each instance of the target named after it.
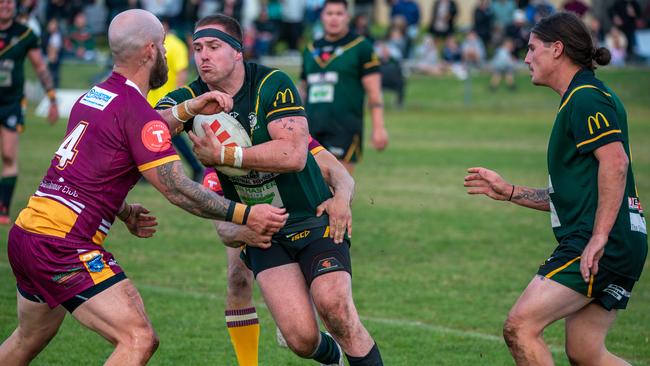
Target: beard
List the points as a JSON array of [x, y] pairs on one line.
[[158, 75]]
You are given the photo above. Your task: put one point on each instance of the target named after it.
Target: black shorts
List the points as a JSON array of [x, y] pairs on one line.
[[608, 289], [346, 146], [312, 249], [12, 116]]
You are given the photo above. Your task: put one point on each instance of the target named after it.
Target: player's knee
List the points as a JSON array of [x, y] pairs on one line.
[[143, 341], [8, 160], [579, 355], [239, 279], [303, 344], [511, 331], [33, 342], [339, 318]]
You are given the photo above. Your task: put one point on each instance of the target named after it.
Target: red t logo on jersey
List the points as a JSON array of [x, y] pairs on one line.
[[211, 181], [155, 136]]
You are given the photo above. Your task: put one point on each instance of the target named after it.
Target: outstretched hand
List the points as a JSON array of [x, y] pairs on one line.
[[488, 182], [139, 223]]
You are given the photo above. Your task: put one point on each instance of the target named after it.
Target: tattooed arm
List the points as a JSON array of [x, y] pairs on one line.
[[490, 183], [171, 181], [36, 58], [180, 190]]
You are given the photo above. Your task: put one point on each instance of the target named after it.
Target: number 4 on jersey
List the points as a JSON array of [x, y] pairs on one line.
[[68, 149]]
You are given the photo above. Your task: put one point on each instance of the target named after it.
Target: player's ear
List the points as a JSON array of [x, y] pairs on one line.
[[239, 56], [558, 49]]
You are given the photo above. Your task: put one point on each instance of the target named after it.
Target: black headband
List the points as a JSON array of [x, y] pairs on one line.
[[215, 33]]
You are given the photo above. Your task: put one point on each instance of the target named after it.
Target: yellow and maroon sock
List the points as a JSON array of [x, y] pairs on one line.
[[244, 329]]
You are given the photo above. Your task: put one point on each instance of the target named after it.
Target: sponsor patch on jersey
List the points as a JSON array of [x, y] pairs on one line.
[[617, 292], [98, 98], [67, 278], [211, 181], [155, 136]]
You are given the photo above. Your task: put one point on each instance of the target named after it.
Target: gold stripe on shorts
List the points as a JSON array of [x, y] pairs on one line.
[[563, 267]]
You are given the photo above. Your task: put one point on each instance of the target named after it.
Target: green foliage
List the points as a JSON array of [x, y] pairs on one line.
[[435, 270]]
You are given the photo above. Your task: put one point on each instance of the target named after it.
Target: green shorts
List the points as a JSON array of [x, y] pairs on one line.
[[346, 146], [608, 289], [312, 249], [12, 116]]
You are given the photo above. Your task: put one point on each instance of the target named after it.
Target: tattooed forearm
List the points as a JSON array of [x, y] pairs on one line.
[[189, 195], [531, 197], [45, 78]]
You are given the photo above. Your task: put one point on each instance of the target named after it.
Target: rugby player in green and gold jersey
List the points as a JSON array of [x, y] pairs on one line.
[[17, 42], [337, 72], [596, 214], [304, 261]]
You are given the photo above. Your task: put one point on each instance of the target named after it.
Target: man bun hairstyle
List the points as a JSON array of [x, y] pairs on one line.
[[229, 24], [573, 33]]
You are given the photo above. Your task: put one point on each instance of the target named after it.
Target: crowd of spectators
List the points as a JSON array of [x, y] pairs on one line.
[[496, 40]]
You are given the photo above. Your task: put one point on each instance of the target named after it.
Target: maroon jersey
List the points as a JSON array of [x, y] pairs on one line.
[[211, 180], [113, 135]]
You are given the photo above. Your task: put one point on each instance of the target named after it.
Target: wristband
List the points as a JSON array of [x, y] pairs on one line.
[[511, 193], [51, 95], [182, 114], [238, 213], [127, 216], [232, 156], [187, 109], [175, 114]]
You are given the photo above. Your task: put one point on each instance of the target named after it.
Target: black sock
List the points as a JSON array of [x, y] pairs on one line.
[[327, 351], [7, 185], [373, 358]]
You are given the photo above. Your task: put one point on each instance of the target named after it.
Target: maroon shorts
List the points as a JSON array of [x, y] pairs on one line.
[[56, 270]]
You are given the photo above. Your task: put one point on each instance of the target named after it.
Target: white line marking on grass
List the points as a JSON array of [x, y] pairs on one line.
[[387, 321]]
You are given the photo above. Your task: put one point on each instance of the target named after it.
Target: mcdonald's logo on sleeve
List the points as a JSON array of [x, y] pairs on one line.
[[595, 121], [284, 97]]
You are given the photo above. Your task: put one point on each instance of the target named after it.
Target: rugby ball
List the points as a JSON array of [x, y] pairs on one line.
[[228, 131]]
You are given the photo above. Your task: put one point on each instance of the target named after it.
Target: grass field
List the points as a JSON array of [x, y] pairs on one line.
[[435, 270]]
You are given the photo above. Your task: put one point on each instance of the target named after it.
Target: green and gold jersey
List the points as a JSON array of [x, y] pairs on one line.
[[267, 95], [591, 116], [15, 42], [333, 73]]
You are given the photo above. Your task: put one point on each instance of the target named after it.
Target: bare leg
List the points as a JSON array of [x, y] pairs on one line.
[[240, 282], [332, 294], [286, 294], [37, 325], [585, 337], [543, 302], [9, 150], [118, 314]]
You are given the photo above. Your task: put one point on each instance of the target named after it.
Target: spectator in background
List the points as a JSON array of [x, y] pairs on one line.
[[177, 63], [503, 65], [53, 48], [293, 13], [577, 7], [392, 77], [81, 42], [411, 13], [453, 58], [115, 7], [483, 21], [473, 50], [625, 14], [427, 59], [266, 33], [503, 13], [365, 7], [443, 19], [361, 26], [616, 43], [397, 35], [519, 32], [538, 9], [597, 34]]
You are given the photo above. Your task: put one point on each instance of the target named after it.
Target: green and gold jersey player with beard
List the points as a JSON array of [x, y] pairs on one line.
[[267, 94]]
